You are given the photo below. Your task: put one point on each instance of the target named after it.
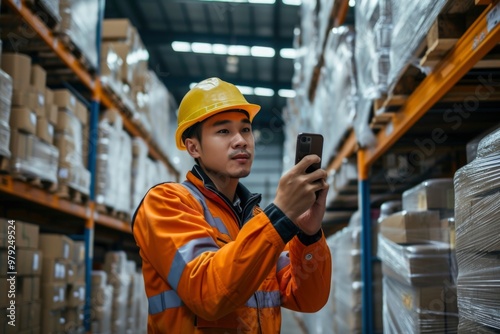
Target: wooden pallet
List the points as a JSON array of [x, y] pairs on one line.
[[4, 165], [65, 191], [66, 40], [112, 212]]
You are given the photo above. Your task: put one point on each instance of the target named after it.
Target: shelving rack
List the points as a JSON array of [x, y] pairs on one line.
[[28, 194], [481, 37]]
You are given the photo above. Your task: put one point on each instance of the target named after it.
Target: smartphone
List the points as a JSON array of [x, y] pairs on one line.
[[309, 143]]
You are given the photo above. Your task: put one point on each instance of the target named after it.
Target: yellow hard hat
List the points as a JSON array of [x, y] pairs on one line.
[[207, 98]]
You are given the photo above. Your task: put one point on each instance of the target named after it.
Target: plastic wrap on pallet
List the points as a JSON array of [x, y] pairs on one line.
[[472, 145], [139, 175], [411, 309], [325, 13], [4, 140], [33, 158], [411, 21], [124, 173], [477, 193], [418, 264], [434, 194], [115, 266], [5, 96], [111, 65], [79, 23], [372, 53], [101, 303], [334, 105], [108, 156]]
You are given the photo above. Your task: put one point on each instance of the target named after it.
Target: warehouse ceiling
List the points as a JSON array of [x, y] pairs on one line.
[[161, 22]]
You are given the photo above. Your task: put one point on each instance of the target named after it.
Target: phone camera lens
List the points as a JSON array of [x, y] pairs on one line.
[[304, 139]]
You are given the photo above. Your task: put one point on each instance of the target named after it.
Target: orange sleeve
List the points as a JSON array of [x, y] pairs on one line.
[[305, 282]]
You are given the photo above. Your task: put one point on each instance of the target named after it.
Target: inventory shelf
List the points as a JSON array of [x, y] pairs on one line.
[[25, 192], [83, 75], [476, 42]]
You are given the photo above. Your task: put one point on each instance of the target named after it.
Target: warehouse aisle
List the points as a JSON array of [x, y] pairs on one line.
[[288, 324]]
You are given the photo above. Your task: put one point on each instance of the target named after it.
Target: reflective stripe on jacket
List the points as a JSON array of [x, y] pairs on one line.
[[205, 274]]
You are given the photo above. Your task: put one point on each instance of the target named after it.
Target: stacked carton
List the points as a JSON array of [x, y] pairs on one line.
[[5, 103], [419, 276], [114, 163], [25, 283], [477, 190], [101, 303], [31, 126], [72, 119]]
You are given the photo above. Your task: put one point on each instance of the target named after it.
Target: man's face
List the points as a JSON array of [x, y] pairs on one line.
[[227, 146]]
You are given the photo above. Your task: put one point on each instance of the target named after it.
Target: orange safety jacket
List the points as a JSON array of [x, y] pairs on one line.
[[212, 267]]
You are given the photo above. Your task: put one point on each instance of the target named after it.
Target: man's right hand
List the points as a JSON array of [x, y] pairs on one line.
[[297, 189]]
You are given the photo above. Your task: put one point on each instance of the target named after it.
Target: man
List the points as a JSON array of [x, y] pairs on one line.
[[213, 260]]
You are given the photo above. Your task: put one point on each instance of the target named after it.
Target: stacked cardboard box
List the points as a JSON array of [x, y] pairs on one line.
[[417, 262], [72, 119], [5, 105], [114, 163], [31, 128], [25, 283], [57, 250], [477, 190], [101, 303]]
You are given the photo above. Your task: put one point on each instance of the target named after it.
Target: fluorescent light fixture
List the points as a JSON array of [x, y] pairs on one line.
[[267, 2], [201, 47], [219, 49], [288, 53], [260, 91], [288, 93], [292, 2], [262, 51], [352, 3], [245, 90], [238, 50], [181, 46]]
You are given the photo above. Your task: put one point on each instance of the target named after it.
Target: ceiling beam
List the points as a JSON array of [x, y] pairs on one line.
[[161, 37]]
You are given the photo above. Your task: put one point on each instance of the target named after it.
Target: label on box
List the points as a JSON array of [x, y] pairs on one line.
[[493, 17], [66, 251], [36, 261]]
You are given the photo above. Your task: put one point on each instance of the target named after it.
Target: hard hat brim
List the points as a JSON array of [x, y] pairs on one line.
[[252, 110]]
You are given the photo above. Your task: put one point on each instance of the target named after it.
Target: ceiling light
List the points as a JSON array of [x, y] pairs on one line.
[[245, 90], [352, 3], [181, 46], [244, 1], [219, 49], [288, 53], [287, 93], [262, 51], [267, 2], [238, 50], [260, 91], [292, 2], [201, 47]]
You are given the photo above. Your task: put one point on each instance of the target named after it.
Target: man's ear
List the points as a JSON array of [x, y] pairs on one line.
[[192, 147]]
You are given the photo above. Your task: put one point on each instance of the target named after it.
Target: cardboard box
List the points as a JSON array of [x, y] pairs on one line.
[[53, 296], [82, 113], [45, 130], [64, 99], [26, 235], [38, 78], [27, 262], [18, 66], [408, 227], [53, 271], [27, 289], [23, 119], [56, 246], [67, 122], [436, 194], [79, 252], [75, 296], [51, 114], [117, 29], [52, 321], [30, 98]]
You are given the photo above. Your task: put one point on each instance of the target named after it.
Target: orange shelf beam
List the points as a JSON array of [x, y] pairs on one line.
[[477, 41], [342, 13], [111, 222], [348, 148], [26, 191], [53, 42]]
